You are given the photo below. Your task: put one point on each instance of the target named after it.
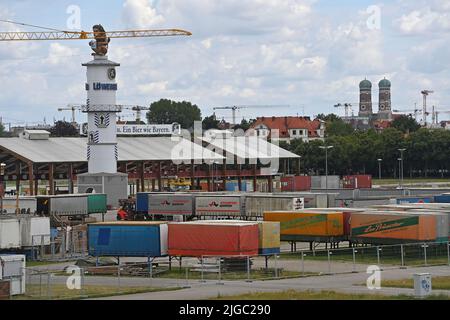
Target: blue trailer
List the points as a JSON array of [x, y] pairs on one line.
[[445, 198], [415, 200], [128, 239]]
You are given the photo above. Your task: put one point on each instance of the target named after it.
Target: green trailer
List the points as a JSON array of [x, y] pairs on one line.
[[97, 203]]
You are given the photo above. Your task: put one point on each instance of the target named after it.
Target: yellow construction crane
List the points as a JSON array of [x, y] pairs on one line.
[[99, 36]]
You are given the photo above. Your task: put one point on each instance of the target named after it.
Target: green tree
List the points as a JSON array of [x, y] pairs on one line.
[[64, 129], [406, 124], [245, 124], [210, 122], [338, 127], [2, 130], [167, 111]]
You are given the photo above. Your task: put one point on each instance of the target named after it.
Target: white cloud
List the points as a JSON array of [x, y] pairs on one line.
[[426, 19], [141, 14]]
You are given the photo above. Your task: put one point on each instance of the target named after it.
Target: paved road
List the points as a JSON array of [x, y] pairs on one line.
[[346, 283]]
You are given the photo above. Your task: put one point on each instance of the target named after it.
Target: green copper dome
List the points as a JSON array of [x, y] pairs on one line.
[[384, 83], [365, 84]]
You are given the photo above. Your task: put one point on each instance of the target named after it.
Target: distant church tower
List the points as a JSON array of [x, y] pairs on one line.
[[365, 98], [385, 106]]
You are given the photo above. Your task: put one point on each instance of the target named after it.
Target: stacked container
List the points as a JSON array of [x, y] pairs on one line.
[[197, 239], [220, 205], [128, 239], [398, 227], [12, 269], [9, 234], [97, 203], [171, 204], [295, 225], [26, 205], [35, 231], [295, 183]]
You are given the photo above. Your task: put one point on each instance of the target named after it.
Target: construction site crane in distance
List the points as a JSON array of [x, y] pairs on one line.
[[73, 109], [347, 106], [235, 108], [425, 94]]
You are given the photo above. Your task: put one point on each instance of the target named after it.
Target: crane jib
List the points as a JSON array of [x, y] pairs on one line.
[[69, 35]]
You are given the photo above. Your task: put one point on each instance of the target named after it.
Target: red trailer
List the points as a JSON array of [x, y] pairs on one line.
[[196, 239], [357, 182], [295, 183]]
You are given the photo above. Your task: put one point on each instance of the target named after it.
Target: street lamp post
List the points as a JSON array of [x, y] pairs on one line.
[[379, 168], [2, 189], [326, 148], [401, 166]]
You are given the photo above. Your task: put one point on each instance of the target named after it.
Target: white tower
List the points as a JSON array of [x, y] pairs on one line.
[[102, 151], [101, 87]]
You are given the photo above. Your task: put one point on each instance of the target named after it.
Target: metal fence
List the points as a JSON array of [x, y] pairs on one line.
[[67, 244], [115, 277]]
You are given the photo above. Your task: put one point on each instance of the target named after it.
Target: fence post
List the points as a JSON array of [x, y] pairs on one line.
[[202, 280], [378, 256], [220, 271], [402, 252], [425, 246], [48, 285], [448, 252], [118, 274], [354, 260], [187, 276], [329, 261], [276, 266], [303, 263], [248, 269]]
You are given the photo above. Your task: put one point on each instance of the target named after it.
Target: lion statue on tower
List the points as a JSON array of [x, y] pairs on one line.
[[101, 42]]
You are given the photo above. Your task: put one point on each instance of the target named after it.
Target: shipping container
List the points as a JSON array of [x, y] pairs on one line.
[[220, 205], [443, 222], [347, 214], [9, 233], [171, 204], [269, 237], [97, 203], [315, 200], [295, 183], [269, 234], [128, 239], [393, 226], [196, 239], [308, 223], [415, 200], [233, 186], [357, 182], [142, 202], [12, 268], [62, 205], [445, 198], [321, 182], [257, 204], [27, 205], [35, 231]]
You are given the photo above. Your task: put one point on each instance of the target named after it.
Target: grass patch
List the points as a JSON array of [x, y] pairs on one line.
[[322, 295], [60, 292], [42, 263], [439, 283]]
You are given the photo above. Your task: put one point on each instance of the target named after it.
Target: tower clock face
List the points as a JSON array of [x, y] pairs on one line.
[[111, 73], [363, 108], [382, 107]]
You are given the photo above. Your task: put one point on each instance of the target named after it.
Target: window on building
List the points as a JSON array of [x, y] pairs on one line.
[[294, 132]]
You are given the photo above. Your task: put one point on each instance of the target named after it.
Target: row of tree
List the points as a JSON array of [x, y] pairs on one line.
[[360, 152]]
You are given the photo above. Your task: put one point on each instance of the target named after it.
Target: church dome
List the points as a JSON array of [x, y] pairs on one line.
[[365, 84], [386, 84]]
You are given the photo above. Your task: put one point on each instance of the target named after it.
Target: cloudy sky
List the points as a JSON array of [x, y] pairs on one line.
[[308, 54]]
